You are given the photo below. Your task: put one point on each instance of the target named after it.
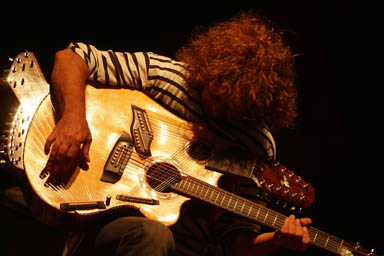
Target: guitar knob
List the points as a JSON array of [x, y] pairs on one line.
[[270, 186], [294, 195], [305, 186], [278, 189]]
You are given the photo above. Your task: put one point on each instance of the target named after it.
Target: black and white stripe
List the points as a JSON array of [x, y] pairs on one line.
[[164, 80]]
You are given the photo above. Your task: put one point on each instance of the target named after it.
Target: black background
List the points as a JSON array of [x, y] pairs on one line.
[[337, 143]]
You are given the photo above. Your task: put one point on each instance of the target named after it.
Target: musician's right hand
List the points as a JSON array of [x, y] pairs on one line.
[[70, 139]]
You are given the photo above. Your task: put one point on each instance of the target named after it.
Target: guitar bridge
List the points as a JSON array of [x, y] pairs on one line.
[[141, 131], [118, 159]]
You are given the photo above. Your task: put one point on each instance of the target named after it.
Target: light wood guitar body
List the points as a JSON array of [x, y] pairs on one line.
[[109, 113], [156, 182]]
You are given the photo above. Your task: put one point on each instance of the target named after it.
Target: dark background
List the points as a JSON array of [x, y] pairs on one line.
[[336, 145]]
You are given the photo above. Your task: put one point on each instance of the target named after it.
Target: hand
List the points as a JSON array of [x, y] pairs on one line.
[[69, 138], [294, 234]]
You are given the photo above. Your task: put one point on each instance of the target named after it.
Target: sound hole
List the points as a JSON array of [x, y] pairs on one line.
[[199, 150], [160, 176]]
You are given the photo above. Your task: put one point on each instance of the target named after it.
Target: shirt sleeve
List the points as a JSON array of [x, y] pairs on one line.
[[119, 69], [161, 78], [164, 80]]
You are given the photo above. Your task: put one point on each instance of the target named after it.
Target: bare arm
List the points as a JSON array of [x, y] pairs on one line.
[[71, 134]]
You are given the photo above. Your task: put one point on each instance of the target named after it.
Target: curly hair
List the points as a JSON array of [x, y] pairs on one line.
[[246, 64]]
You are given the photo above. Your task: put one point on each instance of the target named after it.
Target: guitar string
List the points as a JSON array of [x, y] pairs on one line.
[[329, 244], [39, 120], [87, 192], [276, 170], [196, 153], [41, 78], [322, 237], [165, 184]]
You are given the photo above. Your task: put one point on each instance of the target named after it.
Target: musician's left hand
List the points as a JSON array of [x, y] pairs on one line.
[[294, 234]]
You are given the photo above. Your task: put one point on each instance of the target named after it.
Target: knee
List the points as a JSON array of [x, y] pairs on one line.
[[156, 234], [136, 235]]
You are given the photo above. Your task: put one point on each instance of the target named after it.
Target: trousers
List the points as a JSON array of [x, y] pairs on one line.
[[130, 236]]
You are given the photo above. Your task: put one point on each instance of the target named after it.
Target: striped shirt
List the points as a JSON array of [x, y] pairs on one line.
[[164, 80]]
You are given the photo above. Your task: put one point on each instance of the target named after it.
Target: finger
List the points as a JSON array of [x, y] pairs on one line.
[[285, 227], [306, 239], [60, 157], [54, 149], [70, 156], [49, 142], [298, 228], [292, 224], [85, 150], [306, 221]]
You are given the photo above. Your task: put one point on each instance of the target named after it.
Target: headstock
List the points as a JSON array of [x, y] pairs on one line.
[[282, 184]]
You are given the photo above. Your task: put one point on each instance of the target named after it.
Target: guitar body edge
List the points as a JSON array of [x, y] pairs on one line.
[[109, 114]]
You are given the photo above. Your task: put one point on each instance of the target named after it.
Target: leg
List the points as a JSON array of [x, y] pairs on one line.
[[134, 236]]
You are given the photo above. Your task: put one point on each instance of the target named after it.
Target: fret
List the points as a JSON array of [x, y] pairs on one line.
[[341, 244], [266, 215], [274, 221], [206, 193], [199, 189], [261, 217], [230, 198], [314, 239], [242, 207], [258, 213], [217, 195], [234, 207], [250, 208], [222, 200], [193, 185], [326, 242]]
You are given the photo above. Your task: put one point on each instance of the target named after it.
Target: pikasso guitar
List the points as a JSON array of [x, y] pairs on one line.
[[142, 157]]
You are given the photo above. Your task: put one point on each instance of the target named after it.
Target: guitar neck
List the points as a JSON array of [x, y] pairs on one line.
[[216, 196]]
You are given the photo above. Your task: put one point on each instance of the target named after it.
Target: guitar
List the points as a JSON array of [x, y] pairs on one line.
[[142, 156]]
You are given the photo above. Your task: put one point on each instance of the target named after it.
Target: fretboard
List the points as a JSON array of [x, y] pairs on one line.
[[256, 212]]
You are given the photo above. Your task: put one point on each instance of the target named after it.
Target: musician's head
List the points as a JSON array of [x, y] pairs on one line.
[[244, 69]]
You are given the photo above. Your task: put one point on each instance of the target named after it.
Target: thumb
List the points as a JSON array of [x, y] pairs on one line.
[[49, 142], [86, 148]]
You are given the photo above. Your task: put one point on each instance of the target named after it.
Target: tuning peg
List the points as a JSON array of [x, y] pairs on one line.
[[372, 252], [357, 246]]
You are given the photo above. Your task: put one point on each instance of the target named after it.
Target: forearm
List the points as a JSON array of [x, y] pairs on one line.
[[69, 76], [264, 244], [247, 244]]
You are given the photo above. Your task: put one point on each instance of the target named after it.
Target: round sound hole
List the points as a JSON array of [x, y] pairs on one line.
[[160, 176], [199, 150]]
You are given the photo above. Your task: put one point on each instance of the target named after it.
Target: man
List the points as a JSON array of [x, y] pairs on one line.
[[238, 78]]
